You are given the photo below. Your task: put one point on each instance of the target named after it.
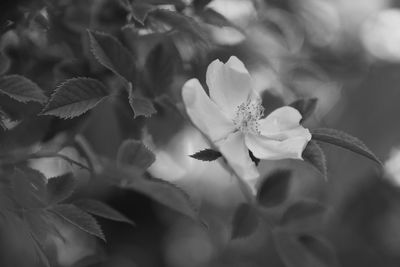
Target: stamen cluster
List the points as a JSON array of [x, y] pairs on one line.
[[247, 116]]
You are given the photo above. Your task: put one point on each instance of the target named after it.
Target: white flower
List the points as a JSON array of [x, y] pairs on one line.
[[232, 118], [392, 166]]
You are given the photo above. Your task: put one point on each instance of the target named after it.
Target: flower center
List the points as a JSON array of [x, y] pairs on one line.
[[247, 116]]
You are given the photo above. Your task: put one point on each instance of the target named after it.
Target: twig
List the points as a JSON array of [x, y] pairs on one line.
[[56, 155], [84, 147]]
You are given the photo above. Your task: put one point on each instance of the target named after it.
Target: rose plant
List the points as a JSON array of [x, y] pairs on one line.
[[99, 79]]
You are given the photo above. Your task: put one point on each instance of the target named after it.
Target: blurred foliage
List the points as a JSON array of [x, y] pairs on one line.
[[91, 90]]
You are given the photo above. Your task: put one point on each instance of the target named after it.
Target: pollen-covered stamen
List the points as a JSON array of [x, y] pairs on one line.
[[247, 116]]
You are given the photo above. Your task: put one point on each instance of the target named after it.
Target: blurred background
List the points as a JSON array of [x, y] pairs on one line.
[[345, 53]]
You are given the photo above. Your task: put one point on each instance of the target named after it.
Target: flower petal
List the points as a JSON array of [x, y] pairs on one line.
[[229, 84], [237, 155], [281, 136], [265, 148], [281, 119], [204, 113], [235, 63]]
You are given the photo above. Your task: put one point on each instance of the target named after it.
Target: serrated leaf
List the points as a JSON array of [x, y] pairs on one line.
[[110, 53], [74, 97], [21, 89], [180, 23], [102, 210], [345, 141], [314, 155], [60, 188], [301, 210], [303, 250], [245, 221], [134, 153], [207, 155], [167, 194], [159, 190], [274, 188], [306, 106], [140, 11], [79, 218], [141, 106]]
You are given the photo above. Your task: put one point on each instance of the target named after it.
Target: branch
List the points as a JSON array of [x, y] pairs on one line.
[[57, 155]]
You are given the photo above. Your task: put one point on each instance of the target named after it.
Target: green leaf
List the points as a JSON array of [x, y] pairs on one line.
[[314, 155], [302, 210], [60, 188], [200, 4], [207, 155], [140, 11], [4, 63], [303, 250], [345, 141], [179, 4], [274, 188], [21, 89], [162, 63], [102, 210], [17, 230], [168, 118], [42, 224], [212, 17], [180, 23], [79, 218], [134, 153], [320, 248], [253, 158], [42, 257], [306, 106], [110, 53], [29, 187], [245, 221], [74, 97], [141, 106], [159, 190], [6, 122]]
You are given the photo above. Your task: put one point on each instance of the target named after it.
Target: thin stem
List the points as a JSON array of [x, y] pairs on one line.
[[84, 147], [6, 159], [243, 186], [57, 155]]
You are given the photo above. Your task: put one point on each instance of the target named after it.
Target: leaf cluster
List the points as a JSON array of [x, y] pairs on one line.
[[41, 206]]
